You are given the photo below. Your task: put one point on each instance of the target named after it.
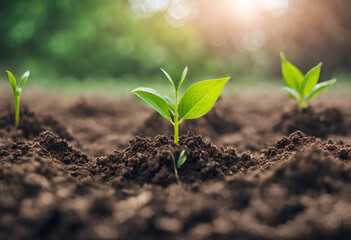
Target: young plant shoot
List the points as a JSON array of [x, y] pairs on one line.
[[196, 101], [302, 88], [17, 90]]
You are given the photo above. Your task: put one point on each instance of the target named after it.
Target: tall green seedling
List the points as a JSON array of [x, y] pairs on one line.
[[302, 88], [196, 101], [17, 90]]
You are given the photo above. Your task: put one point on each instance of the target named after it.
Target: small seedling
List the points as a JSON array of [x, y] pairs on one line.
[[17, 90], [196, 101], [302, 88], [182, 158]]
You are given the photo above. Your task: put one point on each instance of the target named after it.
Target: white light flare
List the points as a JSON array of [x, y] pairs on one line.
[[250, 9], [276, 7], [245, 9]]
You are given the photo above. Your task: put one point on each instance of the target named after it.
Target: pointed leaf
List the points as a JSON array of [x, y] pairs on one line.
[[169, 78], [292, 92], [154, 99], [185, 72], [292, 75], [310, 80], [170, 103], [320, 87], [200, 98], [13, 82], [24, 79], [182, 158]]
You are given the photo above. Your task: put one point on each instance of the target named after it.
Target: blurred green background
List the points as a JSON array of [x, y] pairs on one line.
[[105, 43]]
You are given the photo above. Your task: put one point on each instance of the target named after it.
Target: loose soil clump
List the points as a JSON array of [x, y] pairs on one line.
[[151, 161], [30, 125], [318, 123]]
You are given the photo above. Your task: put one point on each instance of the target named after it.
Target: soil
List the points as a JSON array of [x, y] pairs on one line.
[[318, 123], [80, 169]]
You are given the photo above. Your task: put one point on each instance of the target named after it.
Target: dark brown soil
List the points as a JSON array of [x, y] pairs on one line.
[[30, 125], [151, 161], [106, 183], [315, 123]]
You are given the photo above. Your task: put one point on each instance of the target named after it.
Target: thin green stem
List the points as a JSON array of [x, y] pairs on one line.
[[17, 110], [302, 104], [176, 124]]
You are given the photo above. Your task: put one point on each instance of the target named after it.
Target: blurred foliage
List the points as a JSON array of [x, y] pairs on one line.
[[105, 39], [94, 38]]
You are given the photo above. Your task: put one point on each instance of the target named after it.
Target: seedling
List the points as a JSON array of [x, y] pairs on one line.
[[302, 88], [182, 158], [196, 101], [17, 90]]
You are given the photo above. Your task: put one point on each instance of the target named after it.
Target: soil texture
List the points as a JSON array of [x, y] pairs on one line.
[[98, 168]]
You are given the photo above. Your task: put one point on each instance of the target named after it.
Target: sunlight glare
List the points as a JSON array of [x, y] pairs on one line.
[[276, 7], [246, 9], [250, 9]]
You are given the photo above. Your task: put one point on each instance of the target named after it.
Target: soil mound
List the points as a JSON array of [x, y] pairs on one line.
[[151, 161], [218, 121], [31, 125], [48, 146], [319, 123], [294, 200], [86, 107], [42, 183], [299, 142], [47, 192]]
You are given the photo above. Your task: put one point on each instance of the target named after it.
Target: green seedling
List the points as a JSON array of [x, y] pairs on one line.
[[17, 90], [196, 101], [182, 158], [302, 88]]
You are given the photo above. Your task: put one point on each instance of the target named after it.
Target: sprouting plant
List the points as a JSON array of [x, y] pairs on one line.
[[196, 101], [302, 88], [17, 90], [182, 158]]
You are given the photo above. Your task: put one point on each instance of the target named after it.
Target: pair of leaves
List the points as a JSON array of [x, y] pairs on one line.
[[302, 87], [196, 101], [17, 89], [176, 84]]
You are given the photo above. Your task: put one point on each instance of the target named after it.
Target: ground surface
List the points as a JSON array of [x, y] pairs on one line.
[[79, 169]]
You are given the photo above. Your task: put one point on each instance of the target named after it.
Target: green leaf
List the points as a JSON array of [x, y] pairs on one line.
[[310, 80], [24, 79], [154, 99], [292, 92], [185, 72], [169, 78], [182, 158], [292, 75], [13, 82], [320, 87], [200, 98], [171, 104]]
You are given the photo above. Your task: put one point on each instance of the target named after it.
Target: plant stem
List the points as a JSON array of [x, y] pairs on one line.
[[176, 131], [302, 104], [17, 110], [176, 171]]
